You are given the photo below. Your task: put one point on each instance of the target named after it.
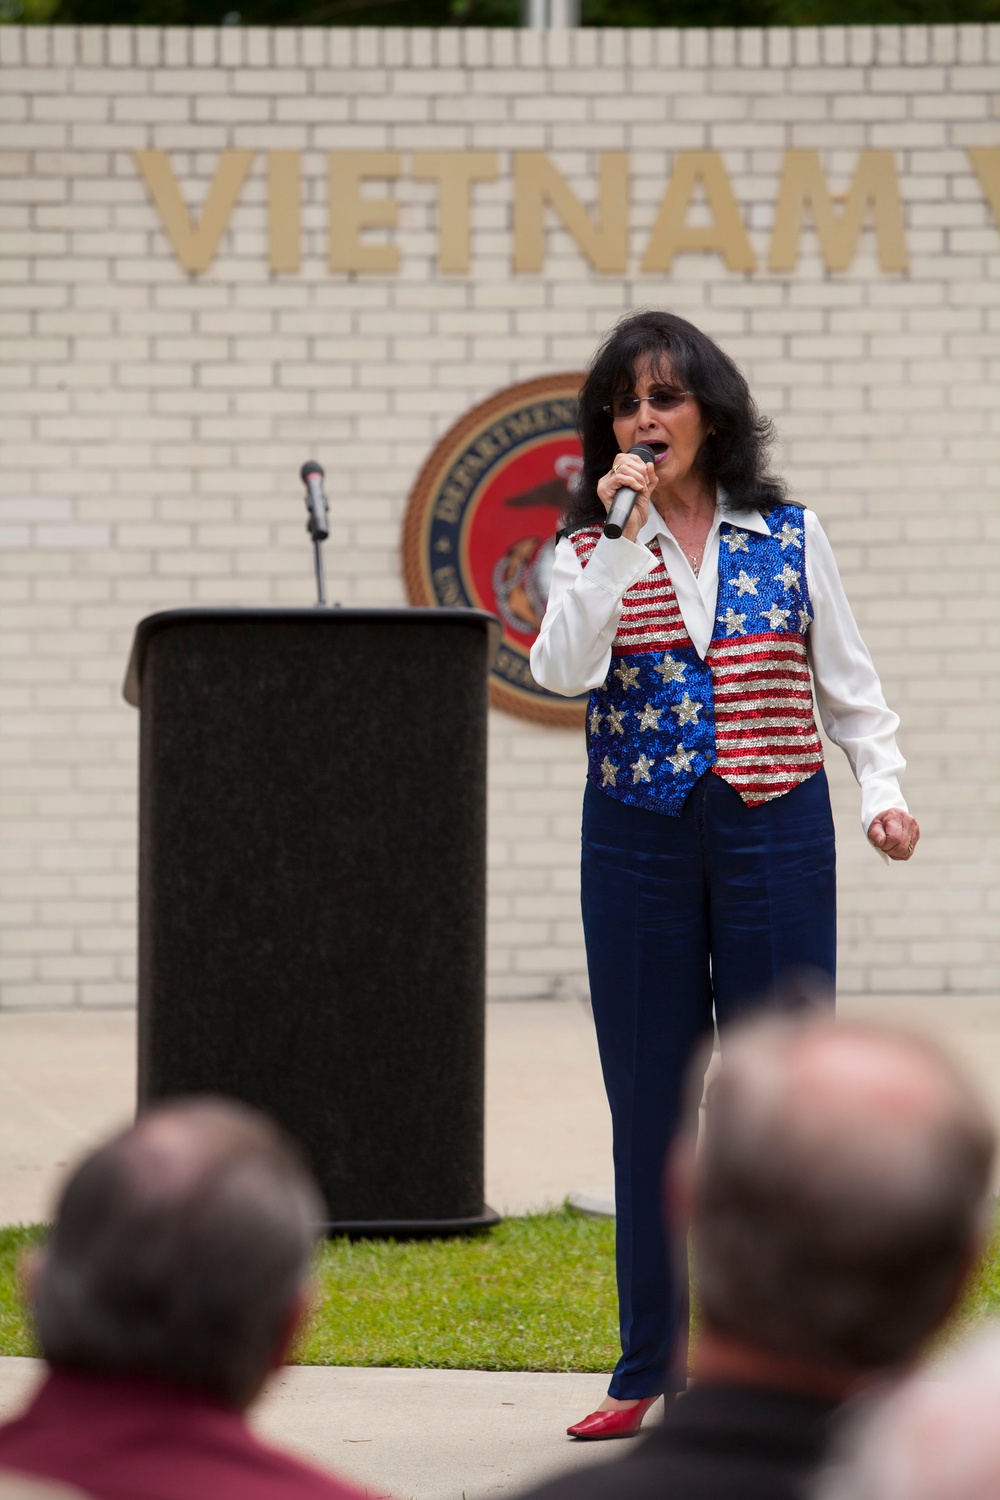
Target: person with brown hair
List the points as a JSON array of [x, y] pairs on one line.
[[708, 874], [172, 1285]]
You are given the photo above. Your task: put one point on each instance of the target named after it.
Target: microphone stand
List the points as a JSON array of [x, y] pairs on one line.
[[317, 542], [318, 525]]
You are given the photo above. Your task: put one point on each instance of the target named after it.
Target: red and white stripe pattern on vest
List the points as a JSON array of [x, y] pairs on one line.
[[651, 618], [766, 740]]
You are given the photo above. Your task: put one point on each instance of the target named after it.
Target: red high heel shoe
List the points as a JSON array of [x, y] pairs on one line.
[[621, 1423]]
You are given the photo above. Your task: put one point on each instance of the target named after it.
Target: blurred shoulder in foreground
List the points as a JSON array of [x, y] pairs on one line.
[[172, 1285]]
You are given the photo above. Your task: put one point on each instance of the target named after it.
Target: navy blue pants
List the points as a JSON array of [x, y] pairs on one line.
[[713, 910]]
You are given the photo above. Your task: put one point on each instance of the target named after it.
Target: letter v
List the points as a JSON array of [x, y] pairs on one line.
[[194, 246]]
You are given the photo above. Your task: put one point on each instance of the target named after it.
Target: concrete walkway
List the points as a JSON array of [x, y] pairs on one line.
[[67, 1078], [412, 1434]]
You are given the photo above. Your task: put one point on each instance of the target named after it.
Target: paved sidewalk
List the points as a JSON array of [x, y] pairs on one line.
[[66, 1078], [413, 1434]]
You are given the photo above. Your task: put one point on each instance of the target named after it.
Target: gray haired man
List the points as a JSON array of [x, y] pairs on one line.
[[837, 1204], [172, 1285]]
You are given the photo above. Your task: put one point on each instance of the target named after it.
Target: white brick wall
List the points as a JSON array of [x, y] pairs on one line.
[[153, 423]]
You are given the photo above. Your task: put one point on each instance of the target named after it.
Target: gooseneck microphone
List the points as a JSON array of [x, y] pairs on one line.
[[316, 504], [623, 502]]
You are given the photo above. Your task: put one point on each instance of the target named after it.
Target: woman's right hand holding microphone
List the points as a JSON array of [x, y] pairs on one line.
[[629, 472]]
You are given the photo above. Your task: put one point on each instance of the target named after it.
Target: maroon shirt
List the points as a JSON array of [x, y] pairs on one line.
[[134, 1439]]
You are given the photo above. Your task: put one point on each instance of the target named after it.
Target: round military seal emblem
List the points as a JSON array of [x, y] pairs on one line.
[[480, 527]]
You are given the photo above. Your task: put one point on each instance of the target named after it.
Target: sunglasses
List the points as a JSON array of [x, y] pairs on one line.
[[659, 401]]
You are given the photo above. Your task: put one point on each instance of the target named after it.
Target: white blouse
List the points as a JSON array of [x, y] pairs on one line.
[[573, 650]]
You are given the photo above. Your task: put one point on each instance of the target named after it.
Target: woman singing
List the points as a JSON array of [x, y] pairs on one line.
[[708, 869]]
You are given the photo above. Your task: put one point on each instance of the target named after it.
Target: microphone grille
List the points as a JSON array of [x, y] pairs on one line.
[[643, 451], [312, 467]]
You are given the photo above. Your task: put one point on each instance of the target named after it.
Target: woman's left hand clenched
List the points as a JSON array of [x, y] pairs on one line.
[[894, 833]]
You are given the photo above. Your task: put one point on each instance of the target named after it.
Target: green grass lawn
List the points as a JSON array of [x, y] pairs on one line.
[[15, 1334], [536, 1293]]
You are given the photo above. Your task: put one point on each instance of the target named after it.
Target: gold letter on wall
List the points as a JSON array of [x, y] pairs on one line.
[[349, 212], [726, 235], [986, 163], [284, 210], [194, 247], [454, 172], [874, 183], [537, 183]]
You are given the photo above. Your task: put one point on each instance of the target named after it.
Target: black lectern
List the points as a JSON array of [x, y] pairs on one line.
[[312, 873]]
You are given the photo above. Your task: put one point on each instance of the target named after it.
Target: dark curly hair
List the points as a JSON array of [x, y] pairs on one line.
[[734, 457]]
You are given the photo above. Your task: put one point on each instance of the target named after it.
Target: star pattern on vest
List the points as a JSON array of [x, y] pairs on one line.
[[681, 759], [735, 624], [788, 578], [640, 769], [738, 541], [649, 717], [615, 716], [789, 535], [745, 584], [627, 676], [687, 710], [595, 720], [670, 670], [609, 772], [805, 620], [776, 618]]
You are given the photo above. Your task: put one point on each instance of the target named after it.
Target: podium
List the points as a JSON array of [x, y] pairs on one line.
[[312, 890]]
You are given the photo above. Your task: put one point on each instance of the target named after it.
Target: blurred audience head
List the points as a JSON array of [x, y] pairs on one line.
[[180, 1251], [839, 1195], [935, 1438]]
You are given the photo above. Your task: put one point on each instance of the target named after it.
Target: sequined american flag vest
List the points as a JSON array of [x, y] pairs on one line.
[[664, 715]]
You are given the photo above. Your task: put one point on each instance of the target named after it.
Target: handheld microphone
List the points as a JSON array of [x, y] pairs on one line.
[[318, 525], [623, 502]]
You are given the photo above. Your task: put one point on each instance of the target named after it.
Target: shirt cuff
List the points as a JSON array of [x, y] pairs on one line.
[[878, 795], [615, 565]]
